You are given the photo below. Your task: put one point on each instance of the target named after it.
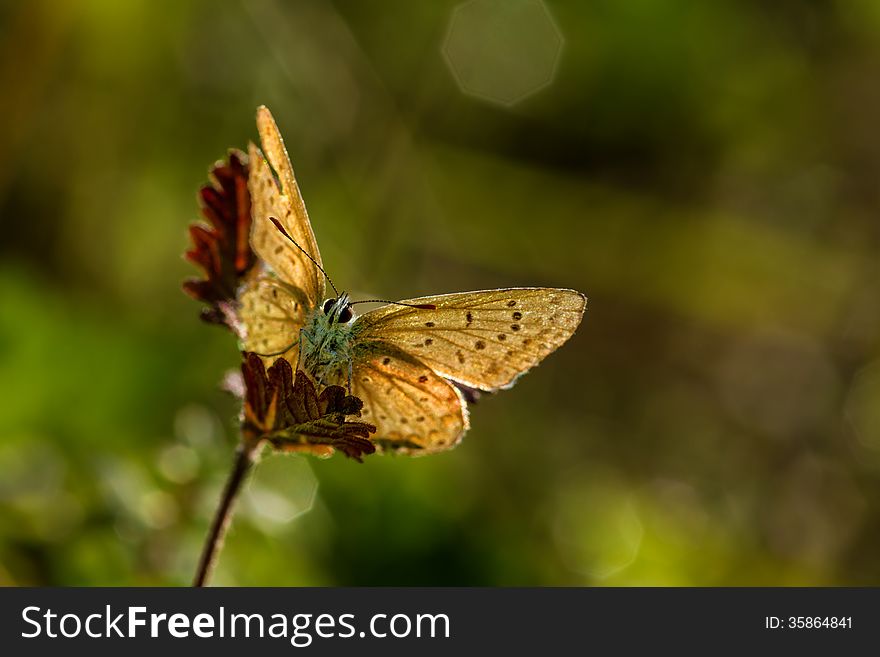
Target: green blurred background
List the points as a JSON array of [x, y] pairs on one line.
[[706, 172]]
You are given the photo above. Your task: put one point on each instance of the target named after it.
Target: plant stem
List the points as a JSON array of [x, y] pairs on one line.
[[245, 457]]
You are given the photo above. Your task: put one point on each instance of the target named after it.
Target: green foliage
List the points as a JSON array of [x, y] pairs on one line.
[[706, 174]]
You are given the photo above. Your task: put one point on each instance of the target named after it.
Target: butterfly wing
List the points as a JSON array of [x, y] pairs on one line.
[[415, 411], [272, 313], [285, 204], [484, 340]]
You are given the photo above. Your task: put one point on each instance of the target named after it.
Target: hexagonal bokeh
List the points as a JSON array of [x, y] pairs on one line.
[[282, 488], [597, 526], [863, 406], [502, 50]]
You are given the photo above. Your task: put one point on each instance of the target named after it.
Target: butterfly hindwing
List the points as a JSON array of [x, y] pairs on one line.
[[285, 204], [484, 339], [272, 314], [414, 410]]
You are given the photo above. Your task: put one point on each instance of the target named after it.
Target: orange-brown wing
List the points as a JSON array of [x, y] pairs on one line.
[[272, 314], [286, 205], [415, 411], [483, 339]]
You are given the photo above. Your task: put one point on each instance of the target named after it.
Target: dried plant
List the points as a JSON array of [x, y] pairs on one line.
[[281, 410]]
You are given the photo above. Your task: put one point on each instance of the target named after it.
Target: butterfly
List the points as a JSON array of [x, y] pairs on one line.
[[407, 361]]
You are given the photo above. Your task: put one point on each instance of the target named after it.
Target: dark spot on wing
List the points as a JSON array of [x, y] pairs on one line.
[[517, 315], [429, 324], [385, 361], [274, 293], [502, 337], [420, 418], [403, 420], [429, 342], [423, 379], [527, 342], [469, 317], [278, 249], [511, 304], [460, 357], [479, 344], [514, 327]]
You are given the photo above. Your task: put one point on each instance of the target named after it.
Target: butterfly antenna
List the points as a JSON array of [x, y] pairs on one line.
[[420, 306], [284, 232]]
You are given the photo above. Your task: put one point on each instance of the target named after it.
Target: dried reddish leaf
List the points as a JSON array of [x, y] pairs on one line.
[[290, 413], [221, 249]]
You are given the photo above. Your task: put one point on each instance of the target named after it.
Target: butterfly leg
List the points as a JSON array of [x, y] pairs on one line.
[[299, 353], [282, 351]]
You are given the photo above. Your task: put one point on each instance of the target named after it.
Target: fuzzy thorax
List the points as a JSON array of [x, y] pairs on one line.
[[326, 341]]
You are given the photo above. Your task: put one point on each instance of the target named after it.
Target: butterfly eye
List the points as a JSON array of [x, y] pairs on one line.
[[346, 315], [328, 304]]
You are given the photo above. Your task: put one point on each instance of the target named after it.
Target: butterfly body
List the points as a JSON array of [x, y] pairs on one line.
[[406, 361], [327, 339]]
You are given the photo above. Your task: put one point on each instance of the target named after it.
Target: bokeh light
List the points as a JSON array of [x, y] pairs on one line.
[[863, 407], [502, 50]]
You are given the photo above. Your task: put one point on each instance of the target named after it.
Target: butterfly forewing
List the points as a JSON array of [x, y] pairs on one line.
[[482, 339], [415, 411], [272, 314], [287, 207]]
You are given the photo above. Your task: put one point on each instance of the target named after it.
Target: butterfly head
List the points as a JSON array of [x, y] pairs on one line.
[[338, 310]]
